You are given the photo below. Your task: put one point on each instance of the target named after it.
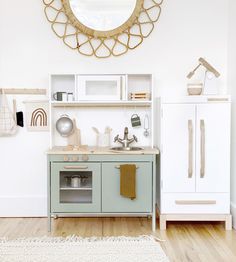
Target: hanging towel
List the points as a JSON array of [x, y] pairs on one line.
[[8, 124], [128, 181]]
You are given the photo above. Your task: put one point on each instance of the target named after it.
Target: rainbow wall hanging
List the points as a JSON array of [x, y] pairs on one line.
[[37, 115]]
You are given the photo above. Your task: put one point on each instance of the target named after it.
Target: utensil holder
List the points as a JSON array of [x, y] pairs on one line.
[[103, 140]]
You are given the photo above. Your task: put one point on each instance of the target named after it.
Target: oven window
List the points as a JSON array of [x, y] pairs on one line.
[[76, 187]]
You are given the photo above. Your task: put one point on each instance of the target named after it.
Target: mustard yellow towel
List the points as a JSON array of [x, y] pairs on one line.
[[128, 181]]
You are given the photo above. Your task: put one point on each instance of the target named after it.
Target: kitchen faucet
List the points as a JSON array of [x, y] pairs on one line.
[[126, 141]]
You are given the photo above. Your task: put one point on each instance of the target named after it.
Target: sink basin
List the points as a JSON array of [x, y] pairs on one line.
[[119, 148]]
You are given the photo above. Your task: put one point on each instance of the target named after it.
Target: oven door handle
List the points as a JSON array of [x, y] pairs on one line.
[[75, 167]]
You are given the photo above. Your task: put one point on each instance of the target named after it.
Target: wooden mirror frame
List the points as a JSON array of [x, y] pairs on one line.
[[102, 44], [96, 33]]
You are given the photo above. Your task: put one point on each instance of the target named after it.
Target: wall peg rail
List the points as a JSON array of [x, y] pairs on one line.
[[23, 91]]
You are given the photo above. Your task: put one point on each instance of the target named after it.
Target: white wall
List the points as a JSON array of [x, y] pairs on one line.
[[232, 88], [29, 51]]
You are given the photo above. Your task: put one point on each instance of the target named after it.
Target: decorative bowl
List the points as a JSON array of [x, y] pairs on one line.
[[192, 91], [195, 89]]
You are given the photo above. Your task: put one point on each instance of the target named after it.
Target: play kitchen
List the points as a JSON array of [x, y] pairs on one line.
[[107, 136], [102, 160]]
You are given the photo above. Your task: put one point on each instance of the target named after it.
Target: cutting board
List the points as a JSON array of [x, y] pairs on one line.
[[75, 139]]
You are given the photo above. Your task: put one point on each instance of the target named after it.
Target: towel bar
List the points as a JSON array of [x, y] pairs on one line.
[[118, 167]]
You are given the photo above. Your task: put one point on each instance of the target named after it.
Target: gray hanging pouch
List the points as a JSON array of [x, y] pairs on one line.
[[135, 120]]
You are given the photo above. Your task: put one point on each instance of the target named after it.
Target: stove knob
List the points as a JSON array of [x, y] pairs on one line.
[[75, 158], [66, 158], [85, 157]]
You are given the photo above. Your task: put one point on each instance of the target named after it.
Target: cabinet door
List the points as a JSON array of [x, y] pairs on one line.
[[178, 148], [113, 202], [213, 148], [75, 187]]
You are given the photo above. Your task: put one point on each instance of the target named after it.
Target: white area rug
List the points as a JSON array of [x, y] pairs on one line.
[[73, 249]]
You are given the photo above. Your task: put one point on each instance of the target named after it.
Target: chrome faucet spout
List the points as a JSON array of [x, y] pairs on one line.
[[126, 141]]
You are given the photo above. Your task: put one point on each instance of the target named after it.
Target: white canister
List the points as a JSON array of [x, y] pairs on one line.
[[75, 181], [70, 97], [64, 96], [103, 140]]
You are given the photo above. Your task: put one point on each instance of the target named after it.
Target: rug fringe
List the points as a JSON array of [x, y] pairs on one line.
[[74, 238]]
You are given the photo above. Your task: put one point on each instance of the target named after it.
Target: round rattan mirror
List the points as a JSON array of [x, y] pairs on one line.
[[102, 27], [102, 18]]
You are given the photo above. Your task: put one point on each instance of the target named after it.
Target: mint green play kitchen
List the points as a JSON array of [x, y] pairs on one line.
[[101, 160], [98, 192]]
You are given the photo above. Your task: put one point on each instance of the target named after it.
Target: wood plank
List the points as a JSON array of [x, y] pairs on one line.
[[188, 241]]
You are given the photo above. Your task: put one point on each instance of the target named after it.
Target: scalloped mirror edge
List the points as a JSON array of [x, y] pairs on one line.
[[102, 44]]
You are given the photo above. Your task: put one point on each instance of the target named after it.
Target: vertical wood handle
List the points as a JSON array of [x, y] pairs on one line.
[[202, 128], [190, 148]]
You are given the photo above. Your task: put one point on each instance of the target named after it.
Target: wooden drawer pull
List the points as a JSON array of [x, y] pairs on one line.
[[202, 148], [118, 167], [190, 148], [195, 202], [218, 99], [75, 167]]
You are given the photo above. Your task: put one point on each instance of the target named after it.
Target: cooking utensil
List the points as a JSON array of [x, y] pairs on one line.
[[108, 130], [68, 180], [195, 89], [58, 96], [146, 126], [64, 126], [103, 140], [84, 180], [75, 181], [95, 130], [70, 97]]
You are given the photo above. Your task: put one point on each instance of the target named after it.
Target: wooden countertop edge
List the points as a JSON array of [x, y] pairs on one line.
[[103, 151]]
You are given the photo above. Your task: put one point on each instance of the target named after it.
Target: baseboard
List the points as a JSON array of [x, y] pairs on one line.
[[27, 206], [233, 212]]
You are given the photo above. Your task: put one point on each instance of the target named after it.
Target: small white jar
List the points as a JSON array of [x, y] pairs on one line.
[[64, 96], [70, 97]]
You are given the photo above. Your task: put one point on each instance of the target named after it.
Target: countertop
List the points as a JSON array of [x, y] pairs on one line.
[[100, 151]]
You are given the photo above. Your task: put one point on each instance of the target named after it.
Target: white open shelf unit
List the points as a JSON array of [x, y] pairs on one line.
[[90, 107], [74, 83]]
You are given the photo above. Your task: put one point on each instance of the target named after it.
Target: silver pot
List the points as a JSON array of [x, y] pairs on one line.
[[75, 181], [64, 126]]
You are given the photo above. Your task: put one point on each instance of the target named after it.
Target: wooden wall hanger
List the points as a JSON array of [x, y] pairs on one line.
[[24, 91]]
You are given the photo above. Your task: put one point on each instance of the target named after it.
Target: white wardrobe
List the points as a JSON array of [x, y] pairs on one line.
[[194, 139]]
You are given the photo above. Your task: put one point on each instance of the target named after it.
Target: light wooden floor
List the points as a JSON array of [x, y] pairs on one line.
[[184, 241]]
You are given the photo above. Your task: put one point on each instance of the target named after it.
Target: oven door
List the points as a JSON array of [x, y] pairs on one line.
[[75, 187]]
